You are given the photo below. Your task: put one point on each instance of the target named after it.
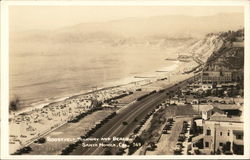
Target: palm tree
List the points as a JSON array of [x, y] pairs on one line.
[[168, 97]]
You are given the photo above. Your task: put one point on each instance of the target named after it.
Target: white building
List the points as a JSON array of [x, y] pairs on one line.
[[206, 87], [223, 133]]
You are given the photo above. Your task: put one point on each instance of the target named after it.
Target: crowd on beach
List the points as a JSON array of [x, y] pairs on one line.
[[25, 127]]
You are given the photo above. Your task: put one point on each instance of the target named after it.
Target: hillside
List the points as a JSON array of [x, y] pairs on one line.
[[231, 55], [203, 48], [130, 31], [222, 51]]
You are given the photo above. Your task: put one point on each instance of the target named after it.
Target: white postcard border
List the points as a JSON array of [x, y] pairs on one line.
[[5, 77]]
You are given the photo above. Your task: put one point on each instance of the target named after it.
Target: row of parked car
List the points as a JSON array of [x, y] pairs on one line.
[[142, 122], [23, 150], [168, 126], [133, 146], [181, 139], [82, 115], [28, 149], [146, 95]]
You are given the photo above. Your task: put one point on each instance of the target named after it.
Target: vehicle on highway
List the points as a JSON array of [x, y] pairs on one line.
[[125, 123], [164, 131], [170, 120], [40, 140], [135, 120], [181, 138], [178, 149], [107, 151], [151, 146]]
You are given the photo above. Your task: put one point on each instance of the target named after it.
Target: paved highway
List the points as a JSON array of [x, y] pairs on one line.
[[115, 127]]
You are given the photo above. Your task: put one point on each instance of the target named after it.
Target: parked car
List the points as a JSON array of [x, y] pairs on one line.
[[181, 138], [125, 123], [151, 146], [165, 131]]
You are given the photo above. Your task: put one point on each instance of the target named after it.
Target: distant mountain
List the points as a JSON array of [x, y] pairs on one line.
[[137, 30]]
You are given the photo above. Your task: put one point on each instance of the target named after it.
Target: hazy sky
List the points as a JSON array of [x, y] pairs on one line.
[[51, 17]]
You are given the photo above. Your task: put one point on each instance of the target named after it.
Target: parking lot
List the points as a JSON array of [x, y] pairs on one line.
[[167, 142]]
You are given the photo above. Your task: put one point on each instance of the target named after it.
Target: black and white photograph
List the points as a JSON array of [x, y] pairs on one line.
[[124, 80]]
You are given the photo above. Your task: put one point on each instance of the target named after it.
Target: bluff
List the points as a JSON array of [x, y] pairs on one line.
[[227, 63]]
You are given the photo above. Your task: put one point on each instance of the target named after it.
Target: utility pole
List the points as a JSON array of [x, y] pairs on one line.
[[94, 90], [198, 97], [215, 127], [202, 77], [194, 76], [169, 77], [198, 105]]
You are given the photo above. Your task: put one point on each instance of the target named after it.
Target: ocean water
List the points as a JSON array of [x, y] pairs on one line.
[[41, 73]]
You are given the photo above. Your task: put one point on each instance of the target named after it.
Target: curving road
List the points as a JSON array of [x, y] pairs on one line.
[[115, 128]]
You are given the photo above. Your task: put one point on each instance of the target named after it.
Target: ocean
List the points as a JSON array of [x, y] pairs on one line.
[[43, 73]]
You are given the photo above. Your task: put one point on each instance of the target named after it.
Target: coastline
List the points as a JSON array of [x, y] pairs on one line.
[[73, 102], [122, 82]]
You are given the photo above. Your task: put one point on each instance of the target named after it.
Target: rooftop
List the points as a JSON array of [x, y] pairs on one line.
[[197, 138], [228, 106], [238, 44], [205, 107], [225, 118]]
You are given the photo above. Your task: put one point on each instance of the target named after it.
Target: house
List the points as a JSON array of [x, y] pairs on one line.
[[239, 39], [195, 101], [178, 101], [222, 130], [208, 110], [206, 87], [238, 75], [216, 76], [223, 134], [230, 109], [238, 44]]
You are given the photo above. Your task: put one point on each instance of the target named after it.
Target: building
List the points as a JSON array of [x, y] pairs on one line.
[[222, 130], [229, 109], [223, 134], [208, 110], [206, 87], [239, 42], [216, 76], [238, 76]]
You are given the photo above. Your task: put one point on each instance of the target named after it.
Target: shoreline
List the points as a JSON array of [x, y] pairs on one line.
[[118, 83], [62, 99]]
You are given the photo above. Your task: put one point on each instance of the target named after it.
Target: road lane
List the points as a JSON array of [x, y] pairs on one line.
[[114, 127], [123, 131], [118, 124]]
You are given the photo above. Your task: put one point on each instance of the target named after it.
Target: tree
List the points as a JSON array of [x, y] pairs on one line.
[[14, 104], [193, 129], [218, 152], [226, 147], [120, 151], [107, 151], [241, 92], [169, 96], [238, 149]]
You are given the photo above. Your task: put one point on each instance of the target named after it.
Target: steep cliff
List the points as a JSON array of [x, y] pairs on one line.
[[230, 56], [222, 51]]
